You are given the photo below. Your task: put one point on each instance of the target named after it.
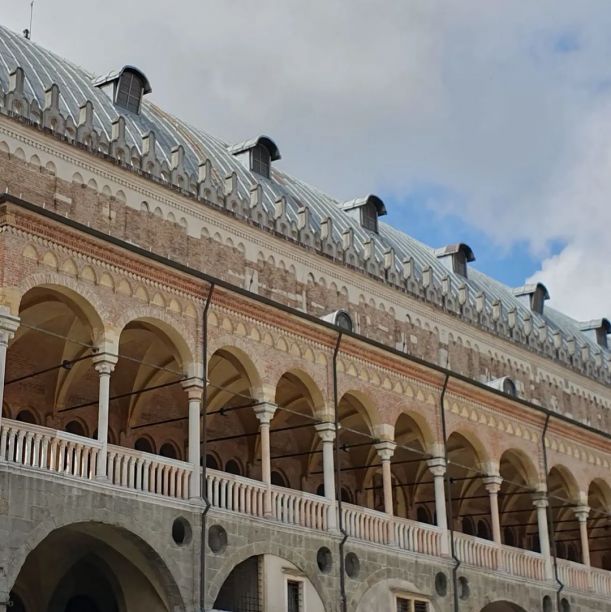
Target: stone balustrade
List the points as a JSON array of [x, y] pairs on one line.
[[44, 449]]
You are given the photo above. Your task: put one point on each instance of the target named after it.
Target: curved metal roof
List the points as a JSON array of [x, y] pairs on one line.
[[76, 86]]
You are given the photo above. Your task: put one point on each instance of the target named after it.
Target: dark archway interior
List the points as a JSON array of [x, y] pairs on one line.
[[92, 567], [240, 591], [503, 606]]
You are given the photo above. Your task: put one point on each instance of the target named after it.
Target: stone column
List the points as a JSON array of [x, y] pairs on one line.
[[581, 514], [540, 502], [493, 486], [194, 388], [437, 467], [326, 431], [104, 365], [386, 450], [265, 413], [8, 327]]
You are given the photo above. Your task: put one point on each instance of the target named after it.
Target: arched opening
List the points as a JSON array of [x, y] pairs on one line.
[[470, 500], [296, 447], [562, 493], [147, 398], [599, 524], [359, 463], [93, 567], [232, 425], [76, 427], [516, 511], [414, 493], [49, 371], [270, 579], [503, 606]]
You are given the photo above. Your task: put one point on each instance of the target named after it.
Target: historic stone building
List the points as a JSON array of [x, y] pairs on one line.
[[224, 389]]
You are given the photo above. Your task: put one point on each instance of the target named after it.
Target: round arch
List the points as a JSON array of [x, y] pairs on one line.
[[63, 547], [83, 300], [263, 548], [169, 333], [503, 606], [304, 380], [523, 465]]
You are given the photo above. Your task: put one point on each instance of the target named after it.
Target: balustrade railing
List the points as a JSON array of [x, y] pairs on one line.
[[63, 453], [418, 537], [235, 493], [297, 508], [475, 551], [574, 575], [519, 562], [148, 473], [601, 581], [48, 449], [366, 524]]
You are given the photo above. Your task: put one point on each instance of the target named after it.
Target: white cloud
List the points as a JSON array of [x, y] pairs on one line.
[[505, 105]]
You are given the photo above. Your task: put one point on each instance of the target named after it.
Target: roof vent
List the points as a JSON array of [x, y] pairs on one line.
[[504, 384], [341, 319], [455, 257], [257, 154], [366, 211], [598, 330], [533, 295], [126, 87]]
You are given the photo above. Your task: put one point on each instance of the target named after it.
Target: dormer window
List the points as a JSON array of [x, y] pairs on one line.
[[456, 257], [126, 87], [260, 160], [504, 384], [129, 92], [533, 295], [257, 154], [366, 211], [341, 319], [597, 330]]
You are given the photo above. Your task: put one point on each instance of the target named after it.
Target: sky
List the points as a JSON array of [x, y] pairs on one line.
[[476, 121]]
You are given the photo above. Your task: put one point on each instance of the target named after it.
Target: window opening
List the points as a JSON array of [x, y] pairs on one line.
[[369, 217], [293, 596], [260, 160], [129, 92]]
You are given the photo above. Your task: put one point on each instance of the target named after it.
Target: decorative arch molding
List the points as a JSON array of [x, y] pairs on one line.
[[368, 589], [168, 325], [119, 526], [87, 301], [291, 554]]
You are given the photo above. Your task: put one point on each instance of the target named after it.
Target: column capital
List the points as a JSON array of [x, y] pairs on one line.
[[581, 513], [492, 483], [437, 466], [194, 387], [386, 449], [265, 412], [540, 499], [104, 363], [8, 326], [326, 431]]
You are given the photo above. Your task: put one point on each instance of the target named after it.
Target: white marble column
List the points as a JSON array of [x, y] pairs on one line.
[[326, 431], [265, 413], [104, 365], [437, 467], [493, 486], [386, 450], [194, 388], [8, 327], [581, 514], [540, 502]]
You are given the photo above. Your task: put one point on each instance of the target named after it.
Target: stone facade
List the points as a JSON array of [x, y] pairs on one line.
[[152, 325]]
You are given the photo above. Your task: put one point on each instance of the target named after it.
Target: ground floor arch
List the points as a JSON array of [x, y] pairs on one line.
[[503, 606], [94, 567], [268, 582]]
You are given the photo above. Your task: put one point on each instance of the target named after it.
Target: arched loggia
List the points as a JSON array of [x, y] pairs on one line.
[[470, 500], [295, 444], [357, 452], [599, 524], [563, 500], [232, 426], [43, 385]]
